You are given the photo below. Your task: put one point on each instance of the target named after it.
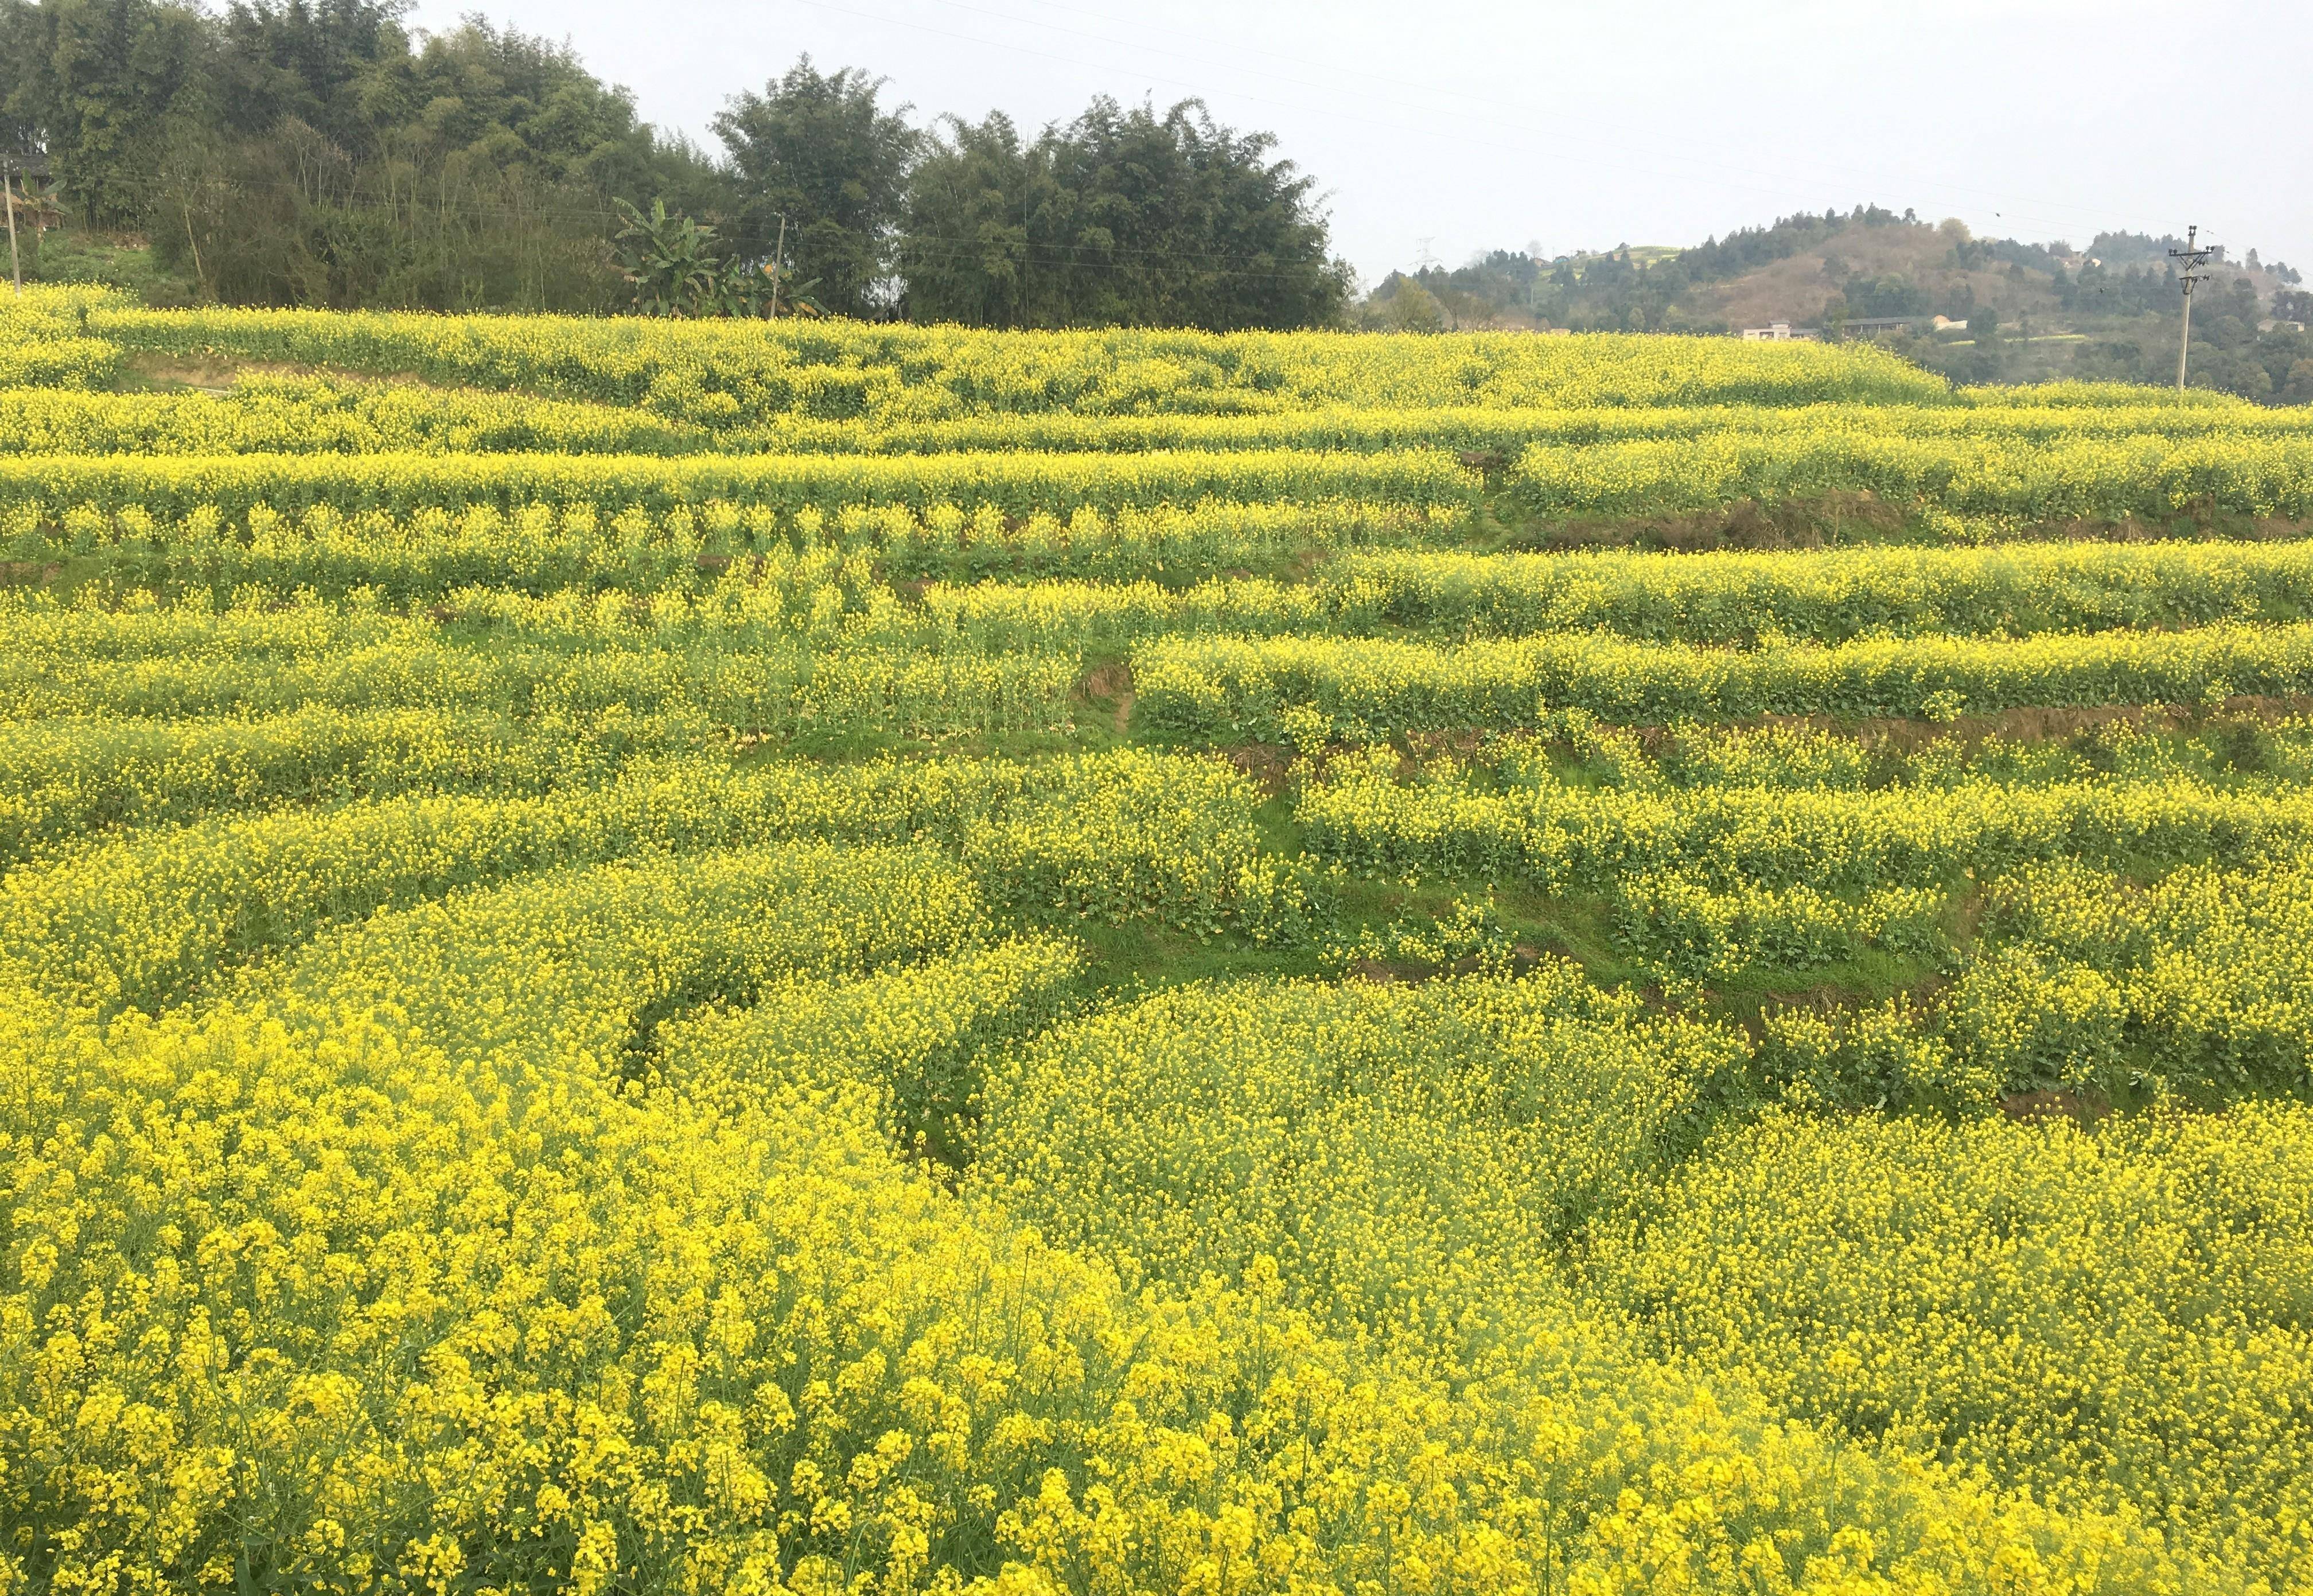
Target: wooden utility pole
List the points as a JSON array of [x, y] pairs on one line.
[[778, 250], [8, 190], [2192, 258]]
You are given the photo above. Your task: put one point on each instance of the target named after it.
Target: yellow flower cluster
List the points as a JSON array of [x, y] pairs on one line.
[[2197, 980], [583, 679], [1805, 810], [62, 778], [167, 487], [1507, 431], [266, 414], [400, 1271], [1821, 596], [315, 416]]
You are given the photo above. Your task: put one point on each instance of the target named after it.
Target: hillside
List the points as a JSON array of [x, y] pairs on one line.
[[2033, 313], [1807, 288]]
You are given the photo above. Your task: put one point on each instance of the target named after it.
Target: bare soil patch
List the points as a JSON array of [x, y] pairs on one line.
[[1111, 685], [1269, 768]]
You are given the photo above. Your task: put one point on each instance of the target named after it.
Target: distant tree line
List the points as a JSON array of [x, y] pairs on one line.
[[318, 152]]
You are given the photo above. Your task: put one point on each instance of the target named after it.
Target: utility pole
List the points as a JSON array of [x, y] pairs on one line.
[[2192, 260], [8, 190], [778, 253]]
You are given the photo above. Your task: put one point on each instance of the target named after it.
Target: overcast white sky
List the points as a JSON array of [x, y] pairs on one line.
[[1475, 125]]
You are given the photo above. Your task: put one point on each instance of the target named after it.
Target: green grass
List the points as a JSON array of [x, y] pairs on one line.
[[71, 254]]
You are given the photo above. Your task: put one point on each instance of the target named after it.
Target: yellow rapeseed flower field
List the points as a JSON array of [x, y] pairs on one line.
[[661, 957]]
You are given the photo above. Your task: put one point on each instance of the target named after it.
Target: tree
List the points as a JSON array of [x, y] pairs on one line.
[[669, 260], [1178, 221], [305, 152], [975, 203], [478, 171], [95, 83], [1121, 216], [329, 64], [1413, 308], [817, 148]]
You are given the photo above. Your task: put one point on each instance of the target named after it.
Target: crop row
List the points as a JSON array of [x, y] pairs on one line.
[[777, 682], [2251, 473], [774, 692], [755, 579], [64, 778], [1507, 432], [313, 416], [142, 919], [2146, 477], [321, 416], [1300, 689], [45, 500], [1829, 597], [719, 373], [545, 547], [34, 488], [1567, 838]]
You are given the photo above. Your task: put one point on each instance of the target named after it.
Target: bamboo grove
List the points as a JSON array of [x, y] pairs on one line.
[[684, 958]]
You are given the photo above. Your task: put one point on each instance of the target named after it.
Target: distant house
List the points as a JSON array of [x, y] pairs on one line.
[[1946, 324], [1875, 326], [36, 211], [29, 195], [1782, 332]]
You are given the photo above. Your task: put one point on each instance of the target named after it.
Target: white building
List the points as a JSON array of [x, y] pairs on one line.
[[1782, 332]]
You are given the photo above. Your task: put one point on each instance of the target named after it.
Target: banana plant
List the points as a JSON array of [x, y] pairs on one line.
[[672, 261], [668, 258]]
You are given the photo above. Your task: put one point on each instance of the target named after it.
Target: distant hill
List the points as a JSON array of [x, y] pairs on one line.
[[1980, 310]]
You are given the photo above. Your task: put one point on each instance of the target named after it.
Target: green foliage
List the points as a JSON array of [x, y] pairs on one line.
[[1121, 217], [815, 149], [671, 261], [318, 155]]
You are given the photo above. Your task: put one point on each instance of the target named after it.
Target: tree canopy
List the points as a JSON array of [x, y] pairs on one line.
[[1123, 215], [816, 148]]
